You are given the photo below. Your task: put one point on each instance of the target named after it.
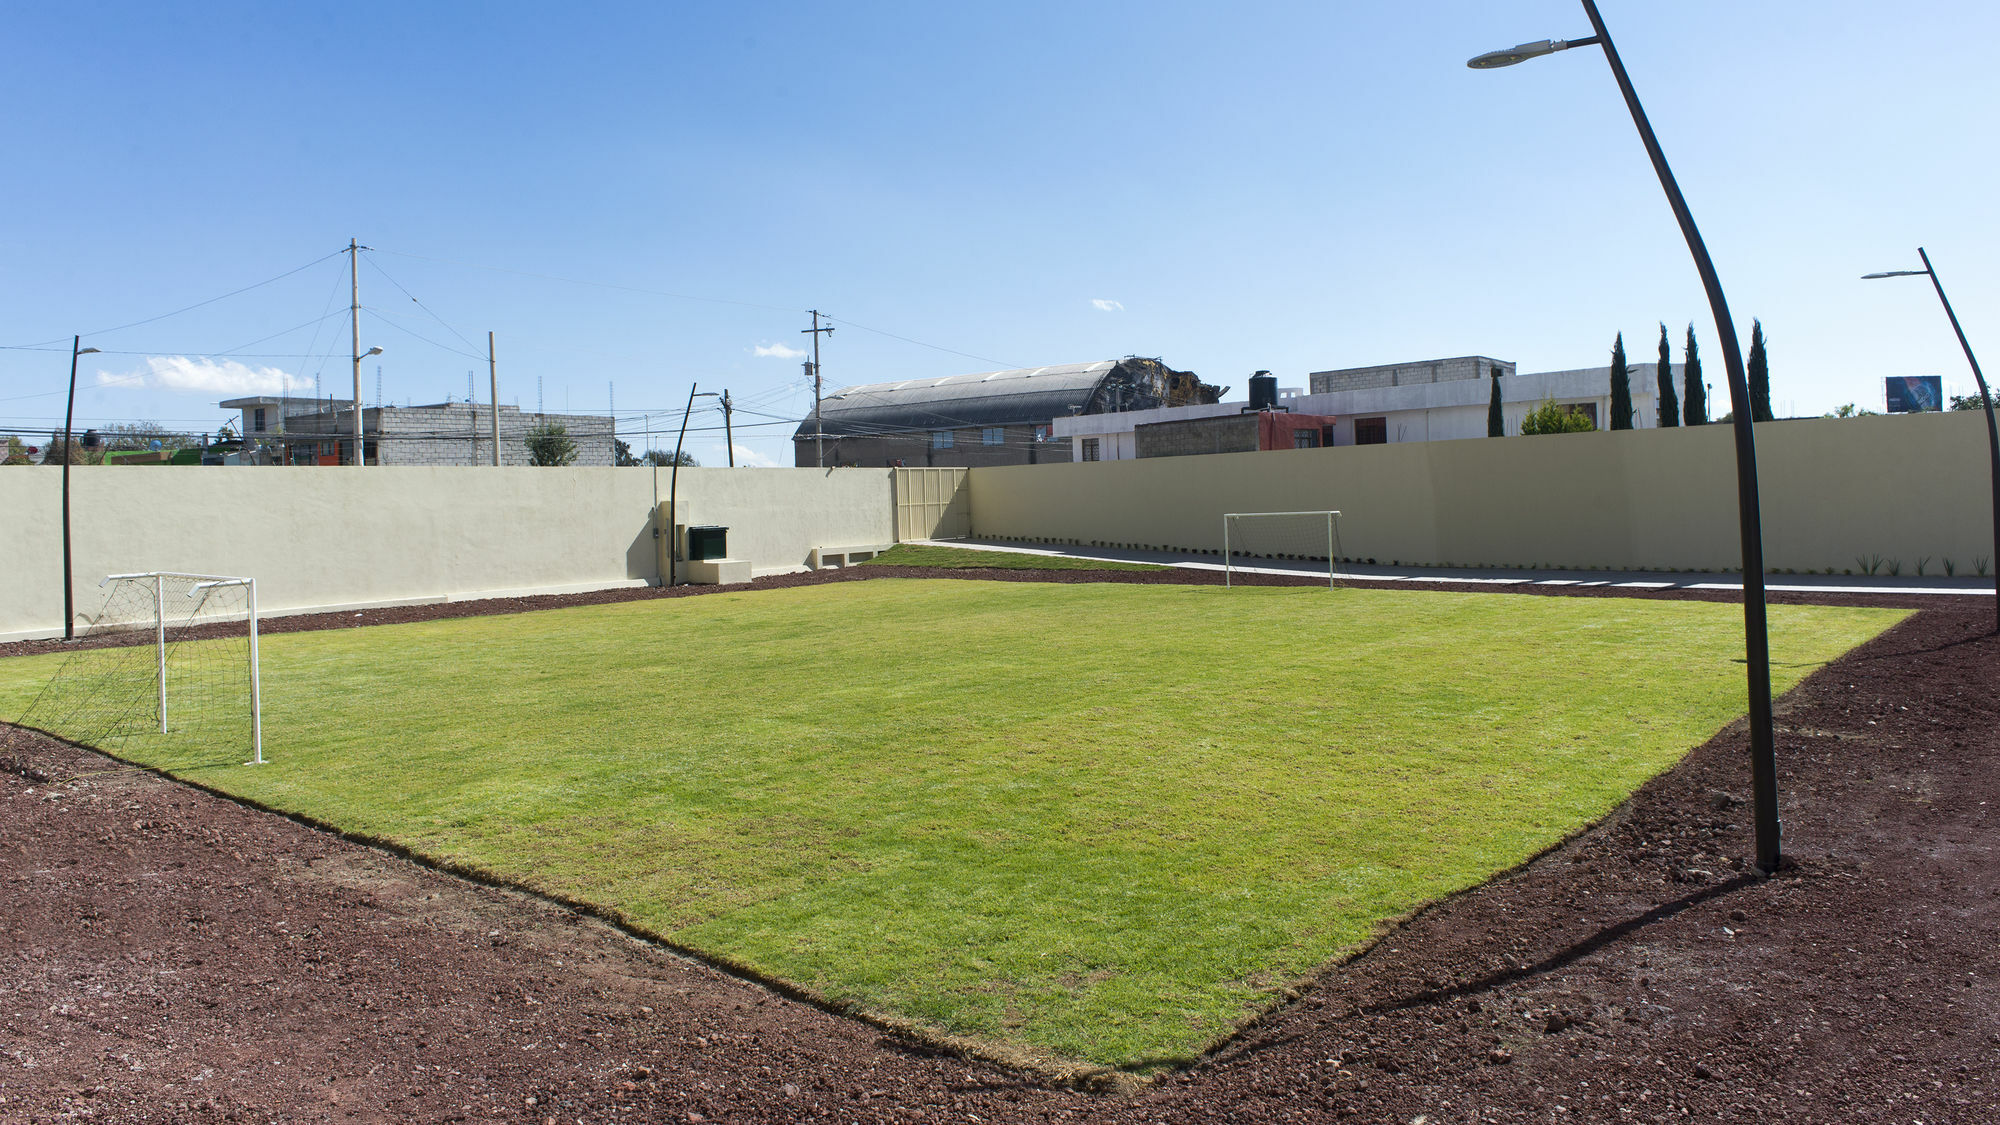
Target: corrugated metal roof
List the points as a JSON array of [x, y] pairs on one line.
[[992, 398]]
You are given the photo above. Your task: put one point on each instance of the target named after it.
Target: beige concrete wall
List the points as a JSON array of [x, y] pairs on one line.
[[323, 538], [1902, 486], [776, 517]]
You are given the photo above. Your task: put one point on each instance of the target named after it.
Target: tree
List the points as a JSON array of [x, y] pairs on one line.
[[1670, 406], [550, 445], [1495, 423], [1849, 411], [1548, 418], [621, 454], [1760, 375], [1621, 387], [661, 459], [142, 435], [17, 454], [1974, 401], [1694, 404]]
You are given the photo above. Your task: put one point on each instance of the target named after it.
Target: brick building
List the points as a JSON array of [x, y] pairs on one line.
[[307, 431], [1247, 432]]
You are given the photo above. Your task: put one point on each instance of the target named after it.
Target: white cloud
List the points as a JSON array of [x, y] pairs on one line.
[[778, 351], [1102, 305], [206, 376], [748, 456]]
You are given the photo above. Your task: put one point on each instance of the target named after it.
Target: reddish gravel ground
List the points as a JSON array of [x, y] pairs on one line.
[[172, 956]]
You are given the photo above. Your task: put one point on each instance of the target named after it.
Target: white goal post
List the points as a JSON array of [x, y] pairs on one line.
[[197, 588], [1280, 535]]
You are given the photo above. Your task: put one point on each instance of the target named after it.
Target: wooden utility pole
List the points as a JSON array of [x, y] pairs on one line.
[[819, 434], [354, 278], [728, 432], [493, 378]]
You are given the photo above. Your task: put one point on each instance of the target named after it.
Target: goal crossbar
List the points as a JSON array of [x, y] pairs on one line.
[[1332, 518]]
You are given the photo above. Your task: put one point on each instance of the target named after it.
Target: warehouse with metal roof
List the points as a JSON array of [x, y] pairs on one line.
[[991, 418]]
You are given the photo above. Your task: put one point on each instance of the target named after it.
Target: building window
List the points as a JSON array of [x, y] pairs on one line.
[[257, 420], [1042, 433], [1090, 449], [992, 435], [1371, 431], [940, 439], [1305, 439]]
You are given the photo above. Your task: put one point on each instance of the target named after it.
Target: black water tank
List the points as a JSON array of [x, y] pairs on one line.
[[1263, 391]]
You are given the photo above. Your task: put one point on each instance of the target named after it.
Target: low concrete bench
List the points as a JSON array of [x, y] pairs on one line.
[[716, 572], [823, 558]]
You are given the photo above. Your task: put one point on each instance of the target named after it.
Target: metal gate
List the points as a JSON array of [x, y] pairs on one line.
[[933, 504]]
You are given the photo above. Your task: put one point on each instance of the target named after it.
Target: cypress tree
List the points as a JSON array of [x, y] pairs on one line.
[[1694, 404], [1495, 426], [1621, 387], [1670, 406], [1760, 375]]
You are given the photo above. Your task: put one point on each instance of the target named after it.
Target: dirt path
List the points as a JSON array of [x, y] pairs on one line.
[[172, 956]]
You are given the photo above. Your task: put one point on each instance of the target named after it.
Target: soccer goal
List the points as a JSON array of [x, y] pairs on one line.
[[167, 656], [1284, 536]]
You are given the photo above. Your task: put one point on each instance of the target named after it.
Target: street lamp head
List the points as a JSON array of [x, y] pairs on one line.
[[1512, 55], [371, 351], [1895, 273], [87, 351]]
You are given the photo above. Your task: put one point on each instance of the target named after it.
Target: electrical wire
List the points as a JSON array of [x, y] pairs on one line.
[[163, 316]]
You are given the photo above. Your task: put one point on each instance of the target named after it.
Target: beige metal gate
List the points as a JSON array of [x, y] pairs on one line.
[[933, 504]]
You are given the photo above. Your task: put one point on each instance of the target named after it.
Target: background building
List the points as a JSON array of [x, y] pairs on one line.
[[1431, 400], [994, 418], [306, 431]]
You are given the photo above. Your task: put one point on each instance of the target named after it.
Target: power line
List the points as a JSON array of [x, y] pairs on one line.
[[177, 312]]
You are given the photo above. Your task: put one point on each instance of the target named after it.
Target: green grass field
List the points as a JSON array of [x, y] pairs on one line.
[[1095, 823]]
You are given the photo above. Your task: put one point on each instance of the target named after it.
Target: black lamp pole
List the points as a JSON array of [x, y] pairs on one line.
[[1985, 396], [76, 349], [1756, 635], [673, 486]]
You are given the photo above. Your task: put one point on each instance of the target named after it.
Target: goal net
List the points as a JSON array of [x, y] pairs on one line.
[[1307, 542], [167, 663]]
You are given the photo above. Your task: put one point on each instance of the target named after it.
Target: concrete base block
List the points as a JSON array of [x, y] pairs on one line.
[[716, 572]]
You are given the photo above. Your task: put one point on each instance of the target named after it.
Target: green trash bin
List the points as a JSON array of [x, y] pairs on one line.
[[709, 542]]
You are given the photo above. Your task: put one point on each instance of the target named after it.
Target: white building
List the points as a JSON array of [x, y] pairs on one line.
[[1434, 400]]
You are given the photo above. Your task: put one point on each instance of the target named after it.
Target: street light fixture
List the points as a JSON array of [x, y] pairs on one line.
[[69, 420], [1756, 635], [1986, 396]]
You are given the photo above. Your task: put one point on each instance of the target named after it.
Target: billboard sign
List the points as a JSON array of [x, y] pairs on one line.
[[1911, 394]]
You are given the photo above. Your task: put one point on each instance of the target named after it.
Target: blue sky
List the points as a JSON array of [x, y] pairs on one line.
[[647, 195]]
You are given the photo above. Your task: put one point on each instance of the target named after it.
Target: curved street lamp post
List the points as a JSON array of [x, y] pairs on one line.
[[1985, 396], [1756, 636], [76, 349]]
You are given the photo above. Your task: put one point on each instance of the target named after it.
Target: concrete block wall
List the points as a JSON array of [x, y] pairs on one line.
[[1833, 490], [1225, 434], [1407, 374]]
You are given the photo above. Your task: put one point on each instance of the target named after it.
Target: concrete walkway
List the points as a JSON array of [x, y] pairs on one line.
[[1624, 579]]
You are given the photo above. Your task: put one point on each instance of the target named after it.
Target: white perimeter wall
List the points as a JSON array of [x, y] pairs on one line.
[[1901, 486], [319, 538]]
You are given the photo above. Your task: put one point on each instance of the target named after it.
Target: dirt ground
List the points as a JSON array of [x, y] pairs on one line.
[[172, 956]]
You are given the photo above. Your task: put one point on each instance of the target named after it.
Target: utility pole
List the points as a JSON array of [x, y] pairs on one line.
[[819, 435], [493, 377], [355, 319], [728, 432]]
